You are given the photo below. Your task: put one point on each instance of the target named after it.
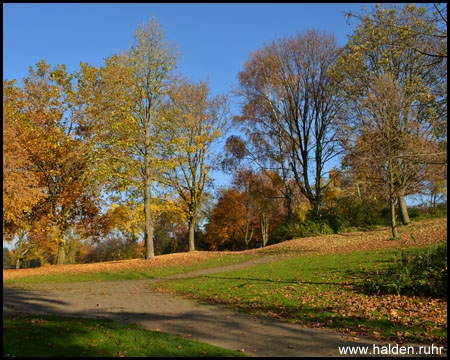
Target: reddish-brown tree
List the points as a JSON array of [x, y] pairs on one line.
[[59, 157], [21, 188]]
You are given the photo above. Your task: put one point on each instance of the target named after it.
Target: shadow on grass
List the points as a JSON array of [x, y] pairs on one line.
[[43, 335], [44, 326]]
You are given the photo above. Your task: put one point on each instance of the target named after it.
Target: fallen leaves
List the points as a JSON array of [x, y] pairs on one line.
[[162, 261], [425, 232]]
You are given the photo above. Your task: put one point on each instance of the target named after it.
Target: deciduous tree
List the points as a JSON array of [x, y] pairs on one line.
[[58, 157], [228, 217], [21, 188], [128, 93], [196, 122], [393, 99], [289, 106]]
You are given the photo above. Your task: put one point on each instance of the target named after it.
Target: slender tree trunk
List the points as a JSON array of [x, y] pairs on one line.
[[61, 255], [403, 210], [264, 229], [433, 200], [148, 232], [393, 216], [391, 196], [359, 191], [247, 237], [17, 263], [191, 225], [148, 220]]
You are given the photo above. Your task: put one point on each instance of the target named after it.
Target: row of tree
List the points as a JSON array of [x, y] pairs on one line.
[[130, 128], [380, 103], [129, 146]]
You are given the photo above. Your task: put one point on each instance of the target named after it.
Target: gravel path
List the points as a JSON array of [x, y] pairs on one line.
[[131, 301]]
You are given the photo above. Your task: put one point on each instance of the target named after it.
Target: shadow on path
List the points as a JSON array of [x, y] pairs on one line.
[[131, 302]]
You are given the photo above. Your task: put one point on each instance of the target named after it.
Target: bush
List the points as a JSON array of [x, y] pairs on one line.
[[298, 229], [336, 221], [113, 248], [424, 211], [414, 212], [440, 210], [419, 272], [30, 263], [364, 214]]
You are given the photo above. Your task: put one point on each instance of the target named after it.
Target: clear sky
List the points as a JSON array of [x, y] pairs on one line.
[[214, 39]]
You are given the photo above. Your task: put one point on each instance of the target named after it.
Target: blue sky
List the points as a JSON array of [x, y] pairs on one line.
[[214, 39]]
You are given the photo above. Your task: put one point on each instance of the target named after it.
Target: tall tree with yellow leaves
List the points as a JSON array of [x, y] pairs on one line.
[[126, 96], [195, 122]]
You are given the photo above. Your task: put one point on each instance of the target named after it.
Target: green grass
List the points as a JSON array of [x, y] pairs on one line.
[[127, 274], [51, 336], [320, 291]]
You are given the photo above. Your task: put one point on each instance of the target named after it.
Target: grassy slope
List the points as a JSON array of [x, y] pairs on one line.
[[122, 270], [425, 232], [320, 286]]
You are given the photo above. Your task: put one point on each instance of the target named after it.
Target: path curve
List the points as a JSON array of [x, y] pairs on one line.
[[130, 301]]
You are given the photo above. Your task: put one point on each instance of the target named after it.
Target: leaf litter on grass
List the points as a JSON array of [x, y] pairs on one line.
[[159, 262], [425, 232], [335, 303]]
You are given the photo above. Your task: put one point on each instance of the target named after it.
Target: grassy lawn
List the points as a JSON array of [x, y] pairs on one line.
[[51, 336], [130, 270], [323, 291]]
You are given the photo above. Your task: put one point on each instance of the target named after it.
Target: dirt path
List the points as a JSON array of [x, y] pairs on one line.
[[131, 301]]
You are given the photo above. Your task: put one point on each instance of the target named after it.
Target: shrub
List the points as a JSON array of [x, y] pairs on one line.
[[353, 212], [424, 211], [335, 220], [440, 210], [297, 229], [112, 248], [419, 272]]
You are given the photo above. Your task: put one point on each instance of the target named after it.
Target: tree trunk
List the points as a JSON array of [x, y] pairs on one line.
[[148, 221], [247, 237], [393, 221], [403, 210], [17, 263], [191, 225], [61, 255], [315, 202], [264, 229]]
